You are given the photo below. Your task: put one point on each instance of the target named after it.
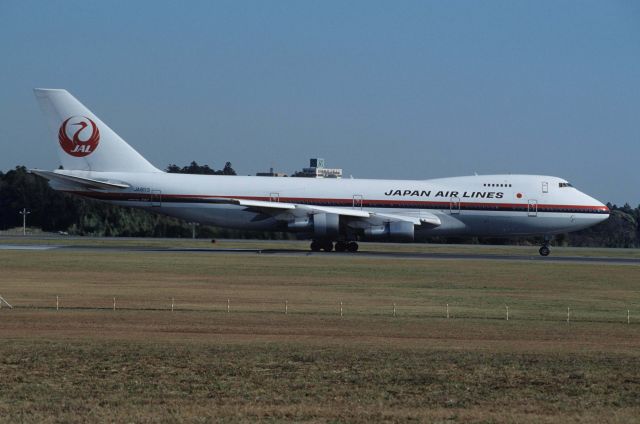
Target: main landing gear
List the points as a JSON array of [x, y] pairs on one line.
[[340, 246], [318, 245], [346, 246]]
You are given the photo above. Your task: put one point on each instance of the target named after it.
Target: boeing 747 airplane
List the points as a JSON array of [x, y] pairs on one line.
[[333, 213]]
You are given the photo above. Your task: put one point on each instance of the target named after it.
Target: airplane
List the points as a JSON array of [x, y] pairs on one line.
[[333, 213]]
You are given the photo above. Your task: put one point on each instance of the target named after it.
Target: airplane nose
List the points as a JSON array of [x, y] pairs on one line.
[[602, 209]]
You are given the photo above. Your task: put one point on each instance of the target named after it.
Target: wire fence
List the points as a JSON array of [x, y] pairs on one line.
[[344, 308]]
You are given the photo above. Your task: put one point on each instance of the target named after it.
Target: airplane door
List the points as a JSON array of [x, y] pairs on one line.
[[545, 187], [357, 201], [454, 205], [274, 197], [532, 208], [156, 198]]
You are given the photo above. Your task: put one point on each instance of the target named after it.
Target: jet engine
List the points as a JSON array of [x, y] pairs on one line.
[[394, 231], [323, 225]]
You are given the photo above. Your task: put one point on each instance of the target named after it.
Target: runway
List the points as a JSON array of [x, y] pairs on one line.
[[479, 256]]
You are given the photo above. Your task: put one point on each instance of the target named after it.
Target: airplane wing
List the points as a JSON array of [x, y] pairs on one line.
[[80, 182], [297, 209]]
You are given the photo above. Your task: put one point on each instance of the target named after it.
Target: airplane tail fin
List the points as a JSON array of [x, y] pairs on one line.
[[85, 143]]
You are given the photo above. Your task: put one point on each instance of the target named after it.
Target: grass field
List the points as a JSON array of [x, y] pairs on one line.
[[200, 363]]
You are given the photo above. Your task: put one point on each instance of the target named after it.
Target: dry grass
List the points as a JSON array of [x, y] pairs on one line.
[[251, 380], [201, 364]]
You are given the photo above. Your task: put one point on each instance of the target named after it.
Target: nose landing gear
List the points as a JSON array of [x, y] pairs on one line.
[[545, 250]]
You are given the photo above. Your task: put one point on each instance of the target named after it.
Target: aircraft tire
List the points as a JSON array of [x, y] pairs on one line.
[[544, 251], [352, 246], [341, 246], [327, 246], [316, 246]]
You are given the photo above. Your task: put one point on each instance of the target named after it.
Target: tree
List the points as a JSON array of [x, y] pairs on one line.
[[194, 168], [228, 170]]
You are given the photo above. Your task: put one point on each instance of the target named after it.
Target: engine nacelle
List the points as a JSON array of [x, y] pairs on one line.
[[300, 224], [326, 225], [394, 231], [323, 225]]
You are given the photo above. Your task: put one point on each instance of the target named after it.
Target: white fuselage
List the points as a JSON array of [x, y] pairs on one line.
[[485, 205]]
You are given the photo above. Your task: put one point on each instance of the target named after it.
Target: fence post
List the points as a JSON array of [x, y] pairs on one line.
[[507, 312], [3, 300], [172, 302], [114, 303], [228, 305], [447, 311], [57, 303], [341, 309], [394, 309], [568, 313], [286, 307]]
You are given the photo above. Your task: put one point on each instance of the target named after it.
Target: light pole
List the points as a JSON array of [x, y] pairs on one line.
[[24, 212]]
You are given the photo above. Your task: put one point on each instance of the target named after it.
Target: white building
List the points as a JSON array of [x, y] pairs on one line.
[[316, 169]]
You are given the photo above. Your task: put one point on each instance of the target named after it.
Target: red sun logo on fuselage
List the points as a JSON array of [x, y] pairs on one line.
[[79, 136]]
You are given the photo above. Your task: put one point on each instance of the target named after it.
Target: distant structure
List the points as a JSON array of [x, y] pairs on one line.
[[271, 173], [316, 169]]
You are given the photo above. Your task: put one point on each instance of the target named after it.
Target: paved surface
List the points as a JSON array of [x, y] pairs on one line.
[[420, 255], [534, 257], [26, 247]]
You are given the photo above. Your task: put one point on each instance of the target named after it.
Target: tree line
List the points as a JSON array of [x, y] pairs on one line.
[[53, 211]]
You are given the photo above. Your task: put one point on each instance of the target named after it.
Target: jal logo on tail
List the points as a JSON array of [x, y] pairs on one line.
[[79, 136]]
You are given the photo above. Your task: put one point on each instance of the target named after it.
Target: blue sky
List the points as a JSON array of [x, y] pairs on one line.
[[398, 89]]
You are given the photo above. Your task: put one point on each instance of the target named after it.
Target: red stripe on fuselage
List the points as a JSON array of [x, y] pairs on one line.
[[342, 202]]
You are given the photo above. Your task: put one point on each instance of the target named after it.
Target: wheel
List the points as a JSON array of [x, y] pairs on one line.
[[352, 246], [341, 246], [316, 246], [544, 251], [327, 246]]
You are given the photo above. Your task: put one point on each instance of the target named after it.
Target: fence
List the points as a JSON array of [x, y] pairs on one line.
[[408, 309]]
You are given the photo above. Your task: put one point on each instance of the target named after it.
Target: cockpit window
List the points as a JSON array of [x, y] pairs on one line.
[[565, 185]]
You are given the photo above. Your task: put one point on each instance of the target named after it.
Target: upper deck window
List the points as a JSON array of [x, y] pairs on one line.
[[496, 185]]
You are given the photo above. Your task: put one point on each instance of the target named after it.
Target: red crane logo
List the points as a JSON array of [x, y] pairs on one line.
[[79, 136]]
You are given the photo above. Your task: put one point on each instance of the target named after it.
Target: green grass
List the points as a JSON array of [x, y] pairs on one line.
[[317, 284], [144, 363]]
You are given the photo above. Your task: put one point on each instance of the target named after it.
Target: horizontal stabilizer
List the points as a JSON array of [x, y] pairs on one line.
[[82, 182]]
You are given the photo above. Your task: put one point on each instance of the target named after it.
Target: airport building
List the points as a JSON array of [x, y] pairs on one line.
[[317, 169]]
